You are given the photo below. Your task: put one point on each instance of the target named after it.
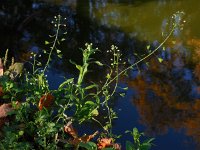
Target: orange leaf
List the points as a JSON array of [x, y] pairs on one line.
[[87, 138], [70, 130], [5, 109], [1, 68], [46, 101], [117, 146], [84, 139], [1, 91], [104, 142]]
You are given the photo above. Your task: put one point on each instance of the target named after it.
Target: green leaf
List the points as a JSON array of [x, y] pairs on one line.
[[173, 42], [91, 86], [108, 148], [6, 97], [122, 94], [60, 55], [88, 145], [79, 67], [108, 76], [126, 88], [95, 112], [145, 146], [127, 131], [21, 133], [129, 146], [164, 48], [135, 132], [160, 60], [63, 39], [58, 51], [148, 47], [52, 35], [71, 80], [47, 42], [72, 62], [89, 103], [98, 63], [39, 64], [149, 140]]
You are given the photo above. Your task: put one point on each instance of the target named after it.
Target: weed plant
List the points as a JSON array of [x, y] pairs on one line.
[[40, 116]]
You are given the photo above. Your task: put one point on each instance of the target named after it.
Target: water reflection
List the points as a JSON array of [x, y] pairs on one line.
[[168, 95], [145, 19]]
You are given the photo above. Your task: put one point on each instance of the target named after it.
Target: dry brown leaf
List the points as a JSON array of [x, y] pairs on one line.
[[1, 68], [1, 91], [84, 139], [46, 101], [87, 138], [70, 130], [117, 146], [104, 142], [5, 109]]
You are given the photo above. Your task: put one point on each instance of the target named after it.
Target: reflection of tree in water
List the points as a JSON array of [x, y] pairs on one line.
[[168, 95]]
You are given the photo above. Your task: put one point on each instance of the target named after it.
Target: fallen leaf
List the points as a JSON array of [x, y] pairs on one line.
[[84, 139], [117, 146], [46, 101], [87, 138], [1, 68], [70, 130], [104, 142], [5, 109], [1, 91]]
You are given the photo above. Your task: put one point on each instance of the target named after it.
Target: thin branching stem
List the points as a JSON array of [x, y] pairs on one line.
[[141, 60], [54, 43]]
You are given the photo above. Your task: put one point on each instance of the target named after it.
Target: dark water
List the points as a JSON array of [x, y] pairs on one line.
[[163, 99]]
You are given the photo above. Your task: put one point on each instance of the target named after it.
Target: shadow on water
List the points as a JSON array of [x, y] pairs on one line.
[[163, 99]]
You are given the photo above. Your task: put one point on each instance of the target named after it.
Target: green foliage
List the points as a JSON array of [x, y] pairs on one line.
[[88, 146], [11, 141], [138, 145]]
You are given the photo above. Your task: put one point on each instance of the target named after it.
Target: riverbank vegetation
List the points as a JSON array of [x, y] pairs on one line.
[[33, 116]]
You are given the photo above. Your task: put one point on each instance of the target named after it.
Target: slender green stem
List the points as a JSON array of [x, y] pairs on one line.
[[109, 117], [54, 44], [117, 79], [98, 123], [144, 58], [34, 64]]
